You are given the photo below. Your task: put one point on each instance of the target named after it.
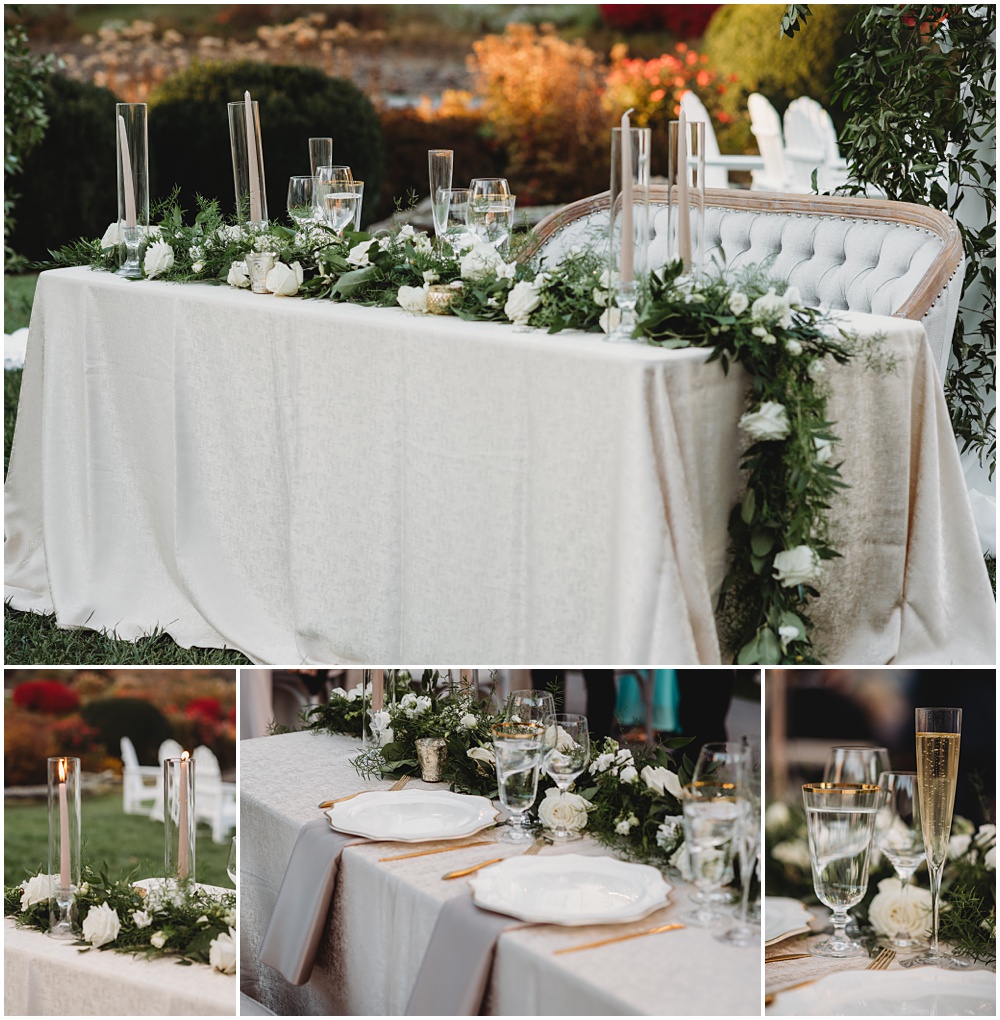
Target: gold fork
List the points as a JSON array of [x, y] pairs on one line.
[[398, 785], [882, 961], [533, 849]]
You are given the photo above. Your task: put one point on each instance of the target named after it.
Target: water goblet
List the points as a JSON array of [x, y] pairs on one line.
[[320, 153], [231, 864], [711, 819], [336, 174], [719, 762], [518, 749], [898, 834], [302, 193], [840, 820], [358, 187], [480, 186], [530, 706], [339, 206], [567, 751], [857, 764], [491, 218], [440, 163]]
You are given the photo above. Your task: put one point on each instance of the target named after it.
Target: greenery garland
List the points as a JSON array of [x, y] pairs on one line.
[[191, 925], [780, 530], [628, 801]]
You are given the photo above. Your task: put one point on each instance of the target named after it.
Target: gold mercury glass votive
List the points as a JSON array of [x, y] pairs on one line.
[[439, 297]]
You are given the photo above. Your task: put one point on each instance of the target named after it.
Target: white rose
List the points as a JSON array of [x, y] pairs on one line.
[[408, 700], [666, 834], [484, 754], [894, 912], [797, 566], [358, 255], [222, 952], [793, 347], [824, 449], [787, 634], [816, 369], [197, 267], [628, 774], [768, 422], [602, 763], [958, 845], [158, 940], [777, 814], [430, 276], [773, 309], [662, 780], [239, 275], [284, 280], [112, 236], [142, 919], [412, 299], [563, 810], [232, 232], [37, 890], [609, 319], [738, 302], [467, 722], [159, 258], [793, 852], [985, 835], [101, 925], [481, 260]]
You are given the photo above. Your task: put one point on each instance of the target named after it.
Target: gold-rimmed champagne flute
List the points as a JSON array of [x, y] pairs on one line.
[[939, 735]]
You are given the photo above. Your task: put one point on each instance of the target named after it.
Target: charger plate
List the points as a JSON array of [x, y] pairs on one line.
[[412, 816]]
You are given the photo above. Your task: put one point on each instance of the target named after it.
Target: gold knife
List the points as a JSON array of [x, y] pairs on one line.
[[533, 849], [618, 938], [437, 850], [788, 956], [398, 785]]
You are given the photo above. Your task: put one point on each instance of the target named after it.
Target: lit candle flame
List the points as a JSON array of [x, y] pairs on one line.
[[62, 770], [184, 756]]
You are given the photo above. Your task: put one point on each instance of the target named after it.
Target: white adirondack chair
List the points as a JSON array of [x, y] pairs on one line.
[[138, 781], [168, 749], [766, 127], [215, 801], [717, 166], [811, 144]]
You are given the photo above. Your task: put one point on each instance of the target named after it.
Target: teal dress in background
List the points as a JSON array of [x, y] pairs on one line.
[[629, 707]]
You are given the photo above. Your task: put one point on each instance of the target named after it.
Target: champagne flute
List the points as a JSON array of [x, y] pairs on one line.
[[711, 819], [939, 734], [567, 751], [320, 153], [231, 864], [440, 163], [518, 749], [302, 199], [840, 818], [898, 833], [855, 764]]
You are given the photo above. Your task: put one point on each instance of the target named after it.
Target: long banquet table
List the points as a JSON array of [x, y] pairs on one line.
[[322, 483], [46, 977], [383, 915]]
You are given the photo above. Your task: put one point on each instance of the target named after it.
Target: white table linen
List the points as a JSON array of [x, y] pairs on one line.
[[323, 483], [383, 916], [49, 977]]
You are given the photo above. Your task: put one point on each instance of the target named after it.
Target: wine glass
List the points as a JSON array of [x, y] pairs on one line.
[[939, 734], [898, 834], [302, 194], [231, 865], [518, 749], [488, 186], [856, 764], [711, 819], [339, 206], [840, 819], [719, 762], [530, 706], [491, 217], [336, 174], [567, 751], [320, 153], [440, 163]]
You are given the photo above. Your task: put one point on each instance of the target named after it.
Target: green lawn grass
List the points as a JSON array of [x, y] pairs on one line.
[[124, 842], [18, 293]]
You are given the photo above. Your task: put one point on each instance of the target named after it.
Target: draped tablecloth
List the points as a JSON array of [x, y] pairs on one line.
[[322, 483], [47, 977], [383, 916]]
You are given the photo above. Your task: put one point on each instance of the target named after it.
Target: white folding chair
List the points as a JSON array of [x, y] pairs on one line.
[[138, 781], [766, 127], [811, 145], [168, 749], [215, 801]]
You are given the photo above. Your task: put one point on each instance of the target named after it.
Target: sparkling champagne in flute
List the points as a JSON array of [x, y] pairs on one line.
[[939, 735]]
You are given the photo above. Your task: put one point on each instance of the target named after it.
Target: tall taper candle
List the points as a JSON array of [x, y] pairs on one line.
[[378, 690], [626, 264], [128, 186], [255, 213], [64, 850], [182, 820], [683, 202]]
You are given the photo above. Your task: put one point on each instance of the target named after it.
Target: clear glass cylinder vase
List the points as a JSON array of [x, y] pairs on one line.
[[180, 819], [64, 844], [132, 157], [629, 225], [248, 163], [686, 179]]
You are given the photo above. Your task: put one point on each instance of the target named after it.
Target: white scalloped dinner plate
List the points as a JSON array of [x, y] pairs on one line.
[[570, 889], [412, 816], [783, 918], [921, 992]]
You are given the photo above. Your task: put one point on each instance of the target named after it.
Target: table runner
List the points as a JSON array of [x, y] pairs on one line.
[[324, 483]]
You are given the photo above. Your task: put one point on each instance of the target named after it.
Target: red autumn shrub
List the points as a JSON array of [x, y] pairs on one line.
[[685, 21], [208, 709], [47, 696], [73, 736]]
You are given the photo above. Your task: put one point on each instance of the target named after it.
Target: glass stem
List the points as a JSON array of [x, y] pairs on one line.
[[935, 875], [839, 921], [748, 869]]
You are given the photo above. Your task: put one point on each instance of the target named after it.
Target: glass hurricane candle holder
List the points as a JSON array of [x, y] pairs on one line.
[[686, 178], [64, 844], [629, 224], [132, 157], [248, 163], [180, 820]]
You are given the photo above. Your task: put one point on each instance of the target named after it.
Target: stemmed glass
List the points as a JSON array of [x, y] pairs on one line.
[[335, 174], [567, 751], [840, 818], [711, 818], [719, 762], [939, 734], [530, 706], [231, 865], [302, 195], [480, 186], [491, 217], [518, 749], [339, 206], [440, 163], [855, 765], [898, 834], [320, 153], [457, 212]]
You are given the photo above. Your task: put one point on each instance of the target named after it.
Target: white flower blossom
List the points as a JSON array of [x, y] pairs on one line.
[[222, 952], [481, 260], [777, 814], [482, 754], [895, 912], [506, 270], [239, 275], [662, 781], [629, 774], [793, 852], [142, 918], [112, 236], [467, 722], [159, 259], [666, 834], [37, 889], [609, 319], [787, 634], [101, 925], [359, 256], [775, 310], [283, 280], [768, 422], [738, 302], [793, 347], [797, 566], [158, 940], [430, 276], [824, 449], [816, 369], [601, 763], [566, 810], [523, 299], [412, 300]]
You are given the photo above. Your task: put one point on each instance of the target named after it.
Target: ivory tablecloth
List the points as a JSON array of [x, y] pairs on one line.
[[318, 483], [383, 915], [46, 977]]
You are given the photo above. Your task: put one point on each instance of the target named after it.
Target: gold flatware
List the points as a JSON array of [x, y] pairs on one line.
[[619, 938], [769, 999], [882, 961], [398, 785], [533, 849], [788, 956], [438, 850]]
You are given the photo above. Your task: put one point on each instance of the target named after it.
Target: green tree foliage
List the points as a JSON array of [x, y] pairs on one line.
[[141, 721]]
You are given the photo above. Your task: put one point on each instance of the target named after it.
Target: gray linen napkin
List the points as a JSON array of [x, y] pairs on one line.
[[300, 911], [456, 968]]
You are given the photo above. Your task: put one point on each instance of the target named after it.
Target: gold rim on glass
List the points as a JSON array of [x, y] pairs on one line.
[[839, 788]]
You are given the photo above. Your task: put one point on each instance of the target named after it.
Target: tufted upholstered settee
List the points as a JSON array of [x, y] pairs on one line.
[[863, 255]]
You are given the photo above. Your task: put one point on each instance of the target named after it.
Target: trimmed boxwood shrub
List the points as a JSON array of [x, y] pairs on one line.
[[68, 187], [189, 130], [142, 722]]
